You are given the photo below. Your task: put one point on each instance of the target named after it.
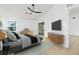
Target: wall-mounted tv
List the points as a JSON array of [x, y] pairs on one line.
[[56, 25]]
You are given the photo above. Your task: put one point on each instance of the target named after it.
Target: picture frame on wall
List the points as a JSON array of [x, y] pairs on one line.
[[12, 25]]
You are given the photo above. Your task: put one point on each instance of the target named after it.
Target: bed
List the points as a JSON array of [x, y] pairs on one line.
[[20, 41]]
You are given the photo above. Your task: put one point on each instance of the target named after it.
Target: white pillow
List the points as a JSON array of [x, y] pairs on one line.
[[11, 36]]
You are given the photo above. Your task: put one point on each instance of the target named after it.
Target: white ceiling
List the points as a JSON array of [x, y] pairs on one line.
[[74, 9], [18, 10]]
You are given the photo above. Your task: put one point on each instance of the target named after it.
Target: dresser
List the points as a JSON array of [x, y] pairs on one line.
[[56, 38]]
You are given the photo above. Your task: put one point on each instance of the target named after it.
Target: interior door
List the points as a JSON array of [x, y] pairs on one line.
[[41, 28]]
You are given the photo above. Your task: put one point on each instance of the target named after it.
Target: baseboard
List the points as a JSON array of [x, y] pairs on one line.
[[73, 34]]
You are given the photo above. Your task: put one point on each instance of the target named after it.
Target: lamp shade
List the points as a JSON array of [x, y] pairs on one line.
[[2, 36]]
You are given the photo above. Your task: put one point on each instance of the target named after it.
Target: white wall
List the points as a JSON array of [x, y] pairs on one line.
[[56, 13], [74, 24], [20, 23]]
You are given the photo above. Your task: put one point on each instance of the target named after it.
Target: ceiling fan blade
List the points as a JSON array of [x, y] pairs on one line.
[[37, 12], [30, 13], [29, 9]]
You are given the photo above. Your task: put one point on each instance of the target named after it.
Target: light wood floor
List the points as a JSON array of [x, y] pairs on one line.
[[47, 48], [73, 50]]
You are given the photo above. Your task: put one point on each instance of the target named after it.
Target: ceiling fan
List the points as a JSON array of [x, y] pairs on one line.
[[32, 10]]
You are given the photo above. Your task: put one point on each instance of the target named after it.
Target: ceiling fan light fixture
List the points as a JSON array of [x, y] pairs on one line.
[[26, 13], [33, 13]]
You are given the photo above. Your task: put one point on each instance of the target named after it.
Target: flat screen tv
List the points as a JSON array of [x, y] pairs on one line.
[[56, 25]]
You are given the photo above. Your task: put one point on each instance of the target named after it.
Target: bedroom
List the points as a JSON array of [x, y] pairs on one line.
[[20, 18], [15, 18]]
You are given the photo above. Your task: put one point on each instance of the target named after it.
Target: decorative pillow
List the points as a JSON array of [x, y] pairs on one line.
[[17, 36], [11, 36], [27, 32]]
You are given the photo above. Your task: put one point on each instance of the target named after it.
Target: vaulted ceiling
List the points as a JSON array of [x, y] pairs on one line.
[[18, 10]]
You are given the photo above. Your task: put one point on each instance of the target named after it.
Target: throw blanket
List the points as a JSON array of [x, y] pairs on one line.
[[33, 39], [25, 41]]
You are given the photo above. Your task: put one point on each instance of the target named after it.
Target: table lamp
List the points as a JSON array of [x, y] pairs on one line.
[[2, 36]]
